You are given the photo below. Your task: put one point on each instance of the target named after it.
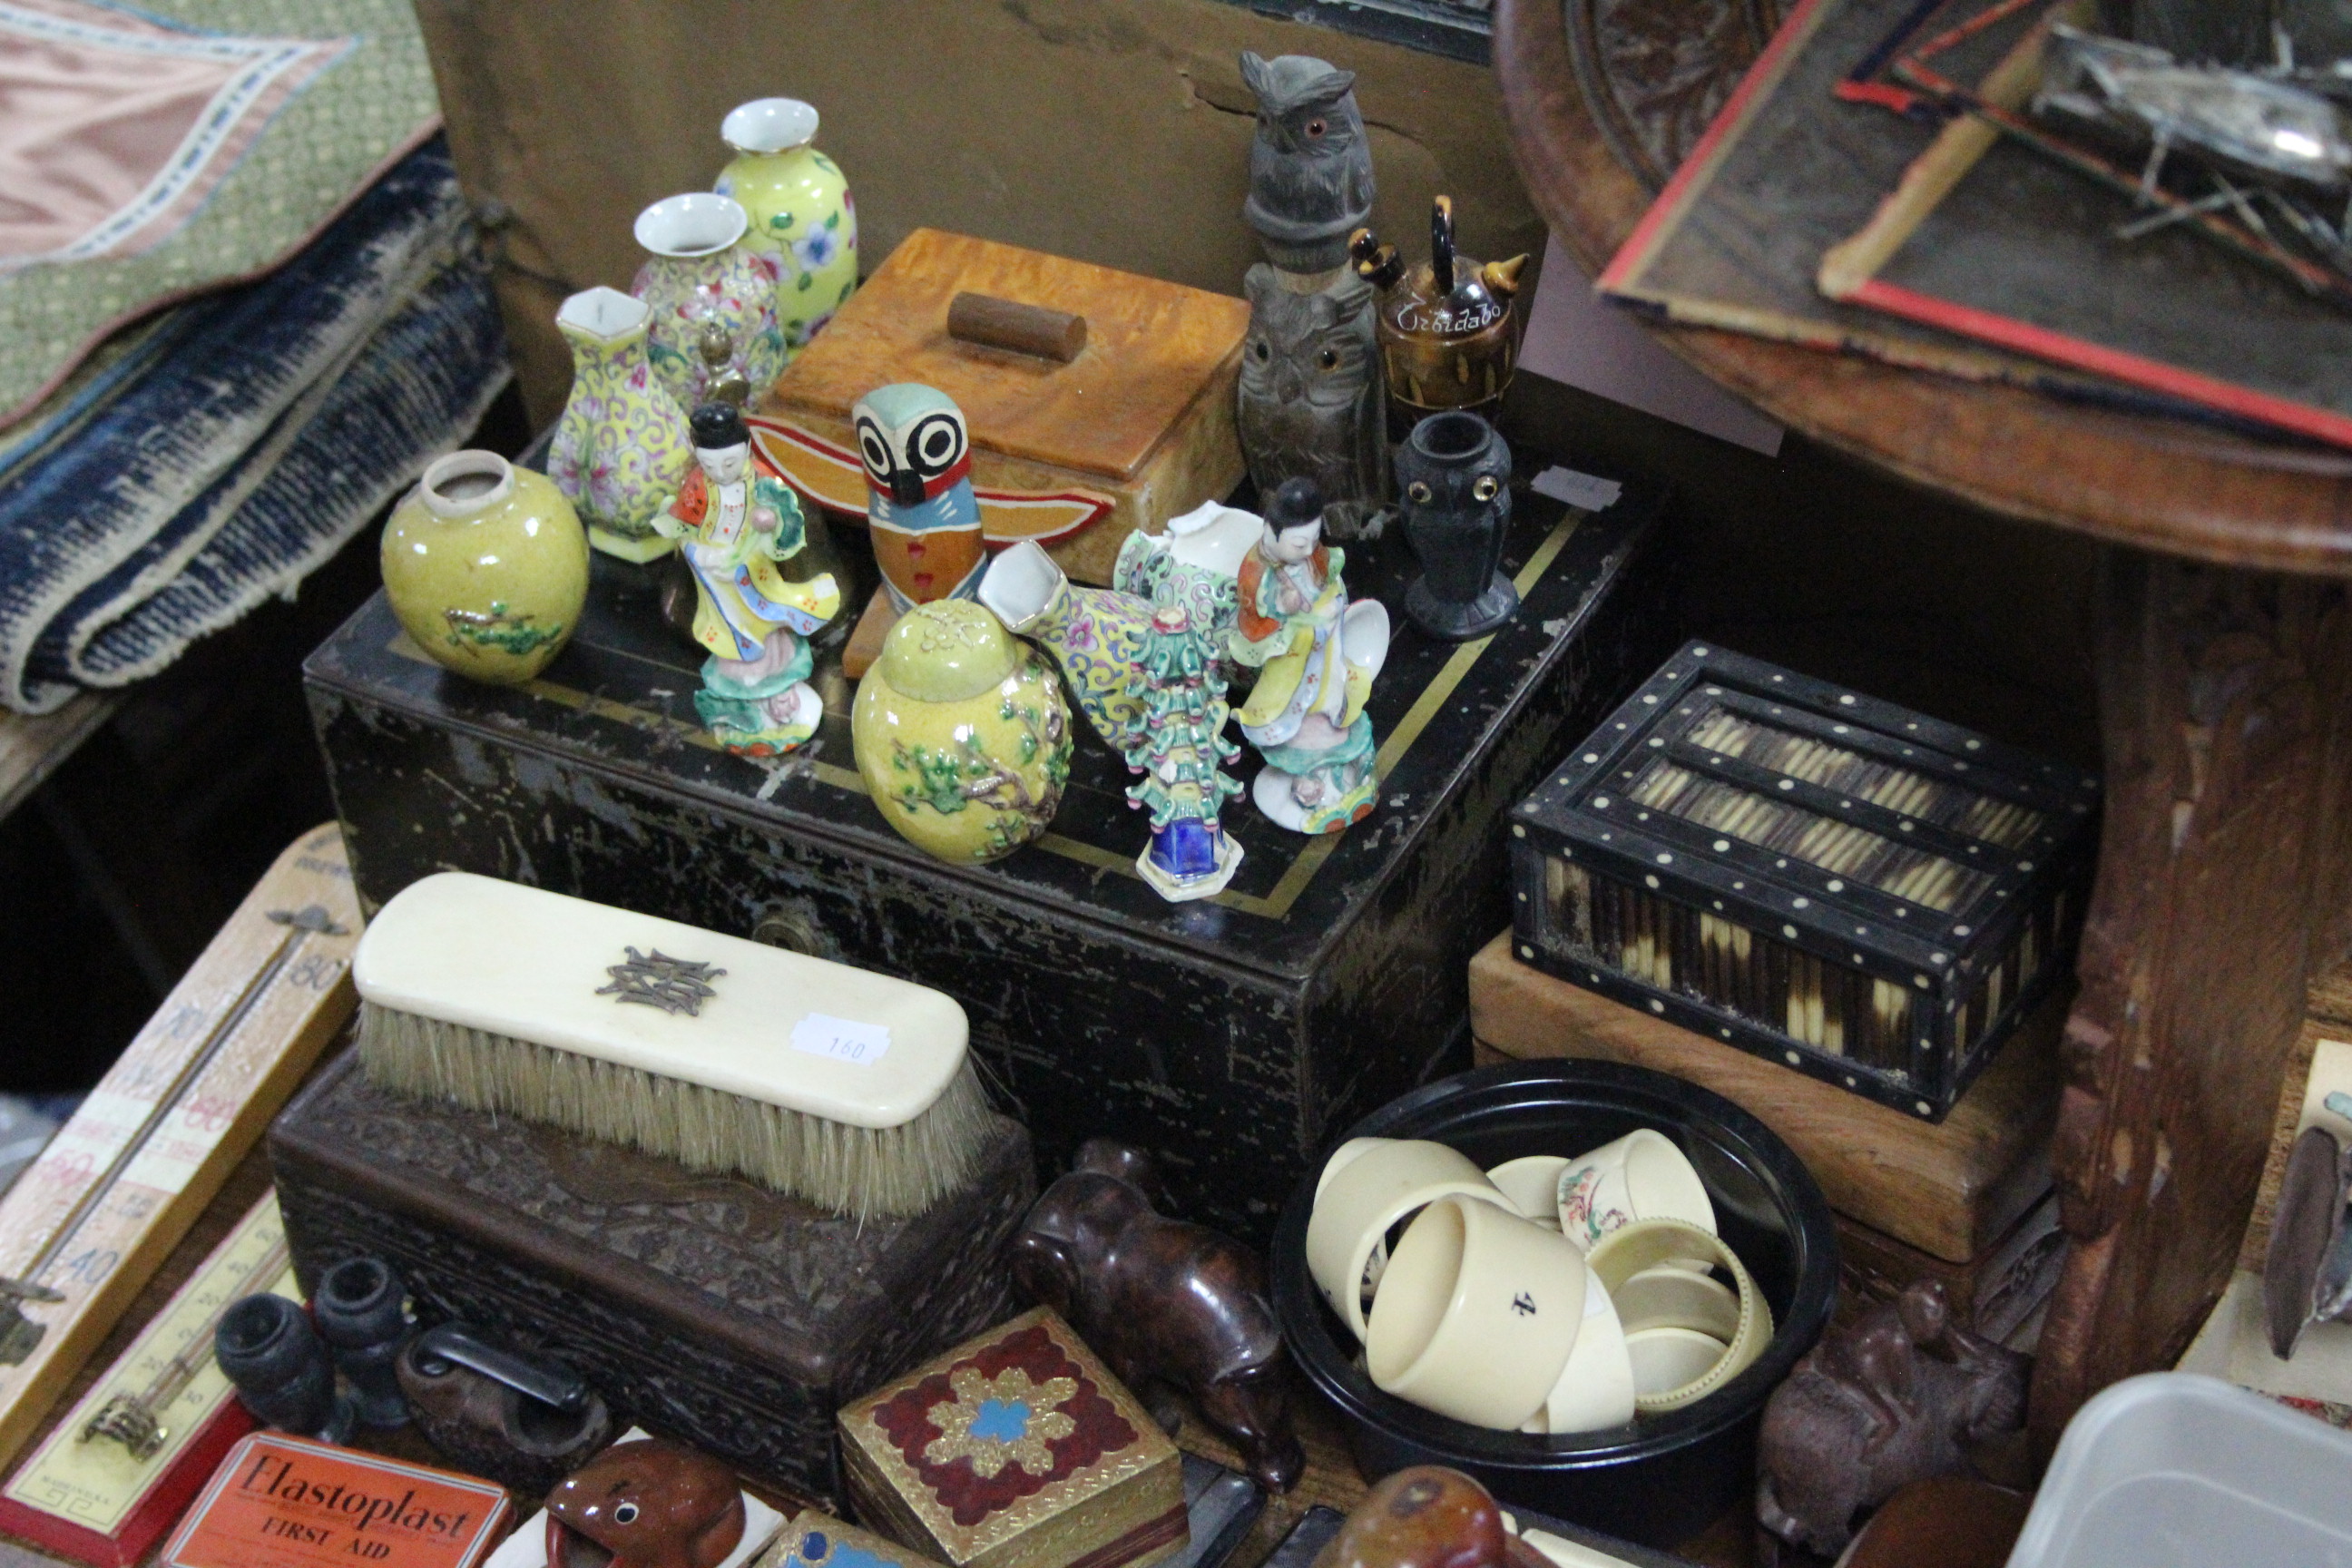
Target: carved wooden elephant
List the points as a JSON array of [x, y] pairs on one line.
[[1899, 1395], [1164, 1302]]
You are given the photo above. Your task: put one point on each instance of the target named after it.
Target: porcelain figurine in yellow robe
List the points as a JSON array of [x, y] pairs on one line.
[[1319, 655], [738, 522]]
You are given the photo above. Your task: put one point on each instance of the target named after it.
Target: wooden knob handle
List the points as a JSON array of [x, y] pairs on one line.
[[996, 324]]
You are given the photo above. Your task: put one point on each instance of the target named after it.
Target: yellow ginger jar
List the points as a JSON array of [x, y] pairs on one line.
[[486, 567], [799, 210], [961, 733]]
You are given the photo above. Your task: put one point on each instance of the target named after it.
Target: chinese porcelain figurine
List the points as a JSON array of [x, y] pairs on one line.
[[1309, 401], [1310, 165], [1449, 333], [1190, 855], [961, 735], [486, 567], [713, 330], [920, 509], [1454, 479], [740, 522], [1318, 655], [622, 448], [798, 206]]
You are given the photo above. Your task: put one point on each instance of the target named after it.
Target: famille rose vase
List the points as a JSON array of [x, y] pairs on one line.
[[961, 735], [622, 447], [713, 333], [1096, 634], [486, 567], [798, 205]]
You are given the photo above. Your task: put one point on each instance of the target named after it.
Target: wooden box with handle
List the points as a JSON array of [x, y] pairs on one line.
[[1099, 402]]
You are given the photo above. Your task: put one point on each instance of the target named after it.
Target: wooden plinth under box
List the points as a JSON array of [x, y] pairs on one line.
[[1228, 1037], [704, 1308], [1016, 1449], [1869, 894], [1136, 429], [1955, 1190]]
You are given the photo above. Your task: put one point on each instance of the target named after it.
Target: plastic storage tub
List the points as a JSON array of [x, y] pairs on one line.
[[2174, 1470]]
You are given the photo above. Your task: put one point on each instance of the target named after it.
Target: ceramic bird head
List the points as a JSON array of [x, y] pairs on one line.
[[923, 520], [913, 441], [1310, 167]]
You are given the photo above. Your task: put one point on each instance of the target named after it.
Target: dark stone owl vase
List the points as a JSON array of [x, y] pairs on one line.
[[1311, 398], [1454, 475], [1310, 167]]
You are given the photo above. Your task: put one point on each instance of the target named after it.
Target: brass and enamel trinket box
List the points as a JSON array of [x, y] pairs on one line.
[[1016, 1450], [1867, 894]]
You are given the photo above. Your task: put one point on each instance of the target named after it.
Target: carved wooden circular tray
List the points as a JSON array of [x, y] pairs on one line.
[[1606, 97]]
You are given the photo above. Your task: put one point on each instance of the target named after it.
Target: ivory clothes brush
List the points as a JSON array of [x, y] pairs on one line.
[[848, 1089]]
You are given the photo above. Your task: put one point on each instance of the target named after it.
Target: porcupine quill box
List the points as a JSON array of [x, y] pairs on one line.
[[1016, 1449], [1864, 893], [705, 1309]]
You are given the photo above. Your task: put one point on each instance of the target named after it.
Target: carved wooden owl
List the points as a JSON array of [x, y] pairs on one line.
[[1311, 397], [1311, 167]]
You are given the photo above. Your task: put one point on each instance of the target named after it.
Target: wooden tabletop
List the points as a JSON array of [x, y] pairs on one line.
[[2154, 483]]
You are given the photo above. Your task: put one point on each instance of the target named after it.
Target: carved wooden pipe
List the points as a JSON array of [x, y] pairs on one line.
[[996, 324]]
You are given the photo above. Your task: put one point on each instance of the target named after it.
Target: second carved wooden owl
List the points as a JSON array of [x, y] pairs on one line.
[[1311, 397]]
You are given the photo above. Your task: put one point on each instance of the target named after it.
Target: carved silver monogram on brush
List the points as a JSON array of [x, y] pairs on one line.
[[657, 980]]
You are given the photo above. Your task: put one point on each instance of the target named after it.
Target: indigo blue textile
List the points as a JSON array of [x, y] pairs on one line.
[[242, 441]]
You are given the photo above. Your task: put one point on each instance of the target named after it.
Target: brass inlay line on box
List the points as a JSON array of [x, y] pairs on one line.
[[1276, 905]]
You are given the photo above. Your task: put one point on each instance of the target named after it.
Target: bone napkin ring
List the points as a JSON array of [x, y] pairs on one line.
[[1371, 1184], [1645, 1244]]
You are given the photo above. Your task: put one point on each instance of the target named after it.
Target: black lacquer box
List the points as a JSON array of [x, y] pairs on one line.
[[1867, 894], [1224, 1036]]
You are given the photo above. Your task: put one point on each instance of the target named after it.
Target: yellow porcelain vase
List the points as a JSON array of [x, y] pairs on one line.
[[799, 210], [961, 735], [486, 567]]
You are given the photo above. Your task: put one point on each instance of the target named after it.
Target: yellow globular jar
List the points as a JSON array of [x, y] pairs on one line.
[[486, 567], [962, 734]]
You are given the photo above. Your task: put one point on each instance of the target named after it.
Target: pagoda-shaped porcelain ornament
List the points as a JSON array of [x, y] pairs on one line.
[[798, 206], [1190, 855], [1317, 656]]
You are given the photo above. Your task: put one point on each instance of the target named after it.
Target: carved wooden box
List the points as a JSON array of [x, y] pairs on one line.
[[1228, 1037], [704, 1309], [1016, 1449], [1868, 894]]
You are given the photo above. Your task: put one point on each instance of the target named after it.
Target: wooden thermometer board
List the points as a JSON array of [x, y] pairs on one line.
[[90, 1221], [93, 1490]]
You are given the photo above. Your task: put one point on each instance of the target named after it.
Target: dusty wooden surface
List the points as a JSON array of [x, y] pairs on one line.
[[2159, 484], [1951, 1189], [284, 991], [31, 749]]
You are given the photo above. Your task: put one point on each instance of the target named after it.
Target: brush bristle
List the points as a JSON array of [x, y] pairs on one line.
[[858, 1171]]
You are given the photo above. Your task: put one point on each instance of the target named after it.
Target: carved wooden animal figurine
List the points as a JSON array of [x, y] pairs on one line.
[[1428, 1516], [1166, 1303], [1311, 167], [646, 1504], [1311, 397], [1899, 1395]]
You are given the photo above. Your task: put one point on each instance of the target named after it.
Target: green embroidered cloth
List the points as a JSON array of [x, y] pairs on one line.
[[179, 147]]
